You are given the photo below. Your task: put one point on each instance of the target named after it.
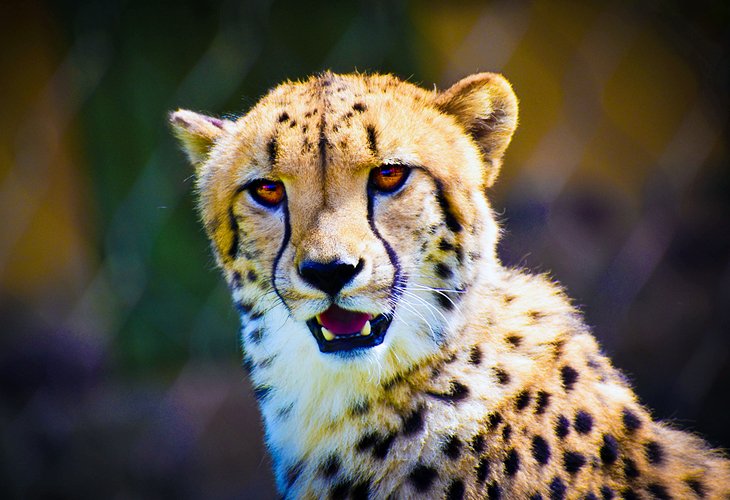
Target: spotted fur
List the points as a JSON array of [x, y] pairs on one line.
[[488, 384]]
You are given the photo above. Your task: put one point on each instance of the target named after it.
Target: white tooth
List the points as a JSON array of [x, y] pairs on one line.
[[366, 330], [328, 335]]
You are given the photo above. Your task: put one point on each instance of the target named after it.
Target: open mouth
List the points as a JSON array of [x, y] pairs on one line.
[[338, 329]]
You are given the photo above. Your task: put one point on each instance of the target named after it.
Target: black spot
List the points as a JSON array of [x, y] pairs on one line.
[[557, 489], [629, 494], [236, 278], [475, 355], [659, 491], [697, 487], [256, 315], [444, 300], [256, 335], [495, 419], [515, 340], [251, 276], [452, 447], [607, 493], [494, 492], [457, 392], [482, 469], [367, 441], [293, 472], [389, 384], [456, 490], [477, 443], [558, 346], [360, 407], [536, 315], [506, 432], [293, 124], [413, 423], [459, 253], [247, 364], [573, 461], [512, 462], [445, 246], [341, 490], [631, 420], [562, 427], [630, 469], [359, 107], [381, 448], [283, 117], [523, 400], [591, 496], [543, 400], [372, 142], [322, 147], [569, 377], [443, 271], [243, 308], [609, 449], [261, 392], [272, 148], [654, 453], [536, 496], [361, 491], [502, 376], [330, 467], [583, 422], [422, 477], [451, 222], [540, 450]]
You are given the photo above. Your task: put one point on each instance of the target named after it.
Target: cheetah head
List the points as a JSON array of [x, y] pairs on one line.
[[349, 216]]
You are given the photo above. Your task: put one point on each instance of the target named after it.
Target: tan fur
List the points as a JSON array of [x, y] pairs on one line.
[[488, 382]]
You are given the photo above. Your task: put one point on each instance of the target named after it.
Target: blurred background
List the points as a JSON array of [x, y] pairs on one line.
[[119, 362]]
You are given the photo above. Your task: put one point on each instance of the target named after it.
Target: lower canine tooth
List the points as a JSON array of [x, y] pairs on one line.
[[328, 335], [366, 330]]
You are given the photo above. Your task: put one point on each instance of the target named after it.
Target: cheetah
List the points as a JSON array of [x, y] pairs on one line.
[[391, 353]]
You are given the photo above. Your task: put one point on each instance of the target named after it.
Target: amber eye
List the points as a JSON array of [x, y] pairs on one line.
[[267, 193], [388, 178]]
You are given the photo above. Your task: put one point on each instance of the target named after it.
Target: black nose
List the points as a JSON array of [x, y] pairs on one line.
[[329, 277]]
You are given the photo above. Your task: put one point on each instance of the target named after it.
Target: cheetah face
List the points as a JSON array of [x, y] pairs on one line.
[[348, 212]]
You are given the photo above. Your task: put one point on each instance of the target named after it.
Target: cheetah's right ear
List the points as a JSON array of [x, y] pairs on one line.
[[485, 105], [197, 133]]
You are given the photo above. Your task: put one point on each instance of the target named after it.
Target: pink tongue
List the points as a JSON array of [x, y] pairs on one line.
[[342, 322]]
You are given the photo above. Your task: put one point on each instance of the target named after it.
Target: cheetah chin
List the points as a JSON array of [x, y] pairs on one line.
[[343, 331]]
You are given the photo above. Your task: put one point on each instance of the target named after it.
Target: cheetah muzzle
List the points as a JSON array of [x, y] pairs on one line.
[[391, 353]]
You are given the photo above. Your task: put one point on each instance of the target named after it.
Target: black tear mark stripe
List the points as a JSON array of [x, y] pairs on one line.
[[398, 285], [449, 217], [284, 243], [233, 225], [235, 241]]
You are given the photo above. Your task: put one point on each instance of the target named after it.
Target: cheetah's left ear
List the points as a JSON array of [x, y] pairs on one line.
[[197, 133], [485, 105]]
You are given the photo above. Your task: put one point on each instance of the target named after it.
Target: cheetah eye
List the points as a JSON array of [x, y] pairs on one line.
[[267, 193], [388, 178]]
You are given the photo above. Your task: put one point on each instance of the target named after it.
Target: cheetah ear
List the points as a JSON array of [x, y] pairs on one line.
[[197, 133], [485, 105]]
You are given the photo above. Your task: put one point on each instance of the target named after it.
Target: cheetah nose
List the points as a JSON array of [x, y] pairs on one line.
[[330, 277]]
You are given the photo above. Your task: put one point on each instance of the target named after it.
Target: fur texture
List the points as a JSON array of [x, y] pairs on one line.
[[487, 382]]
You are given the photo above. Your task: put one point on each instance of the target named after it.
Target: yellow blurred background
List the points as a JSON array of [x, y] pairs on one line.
[[119, 370]]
